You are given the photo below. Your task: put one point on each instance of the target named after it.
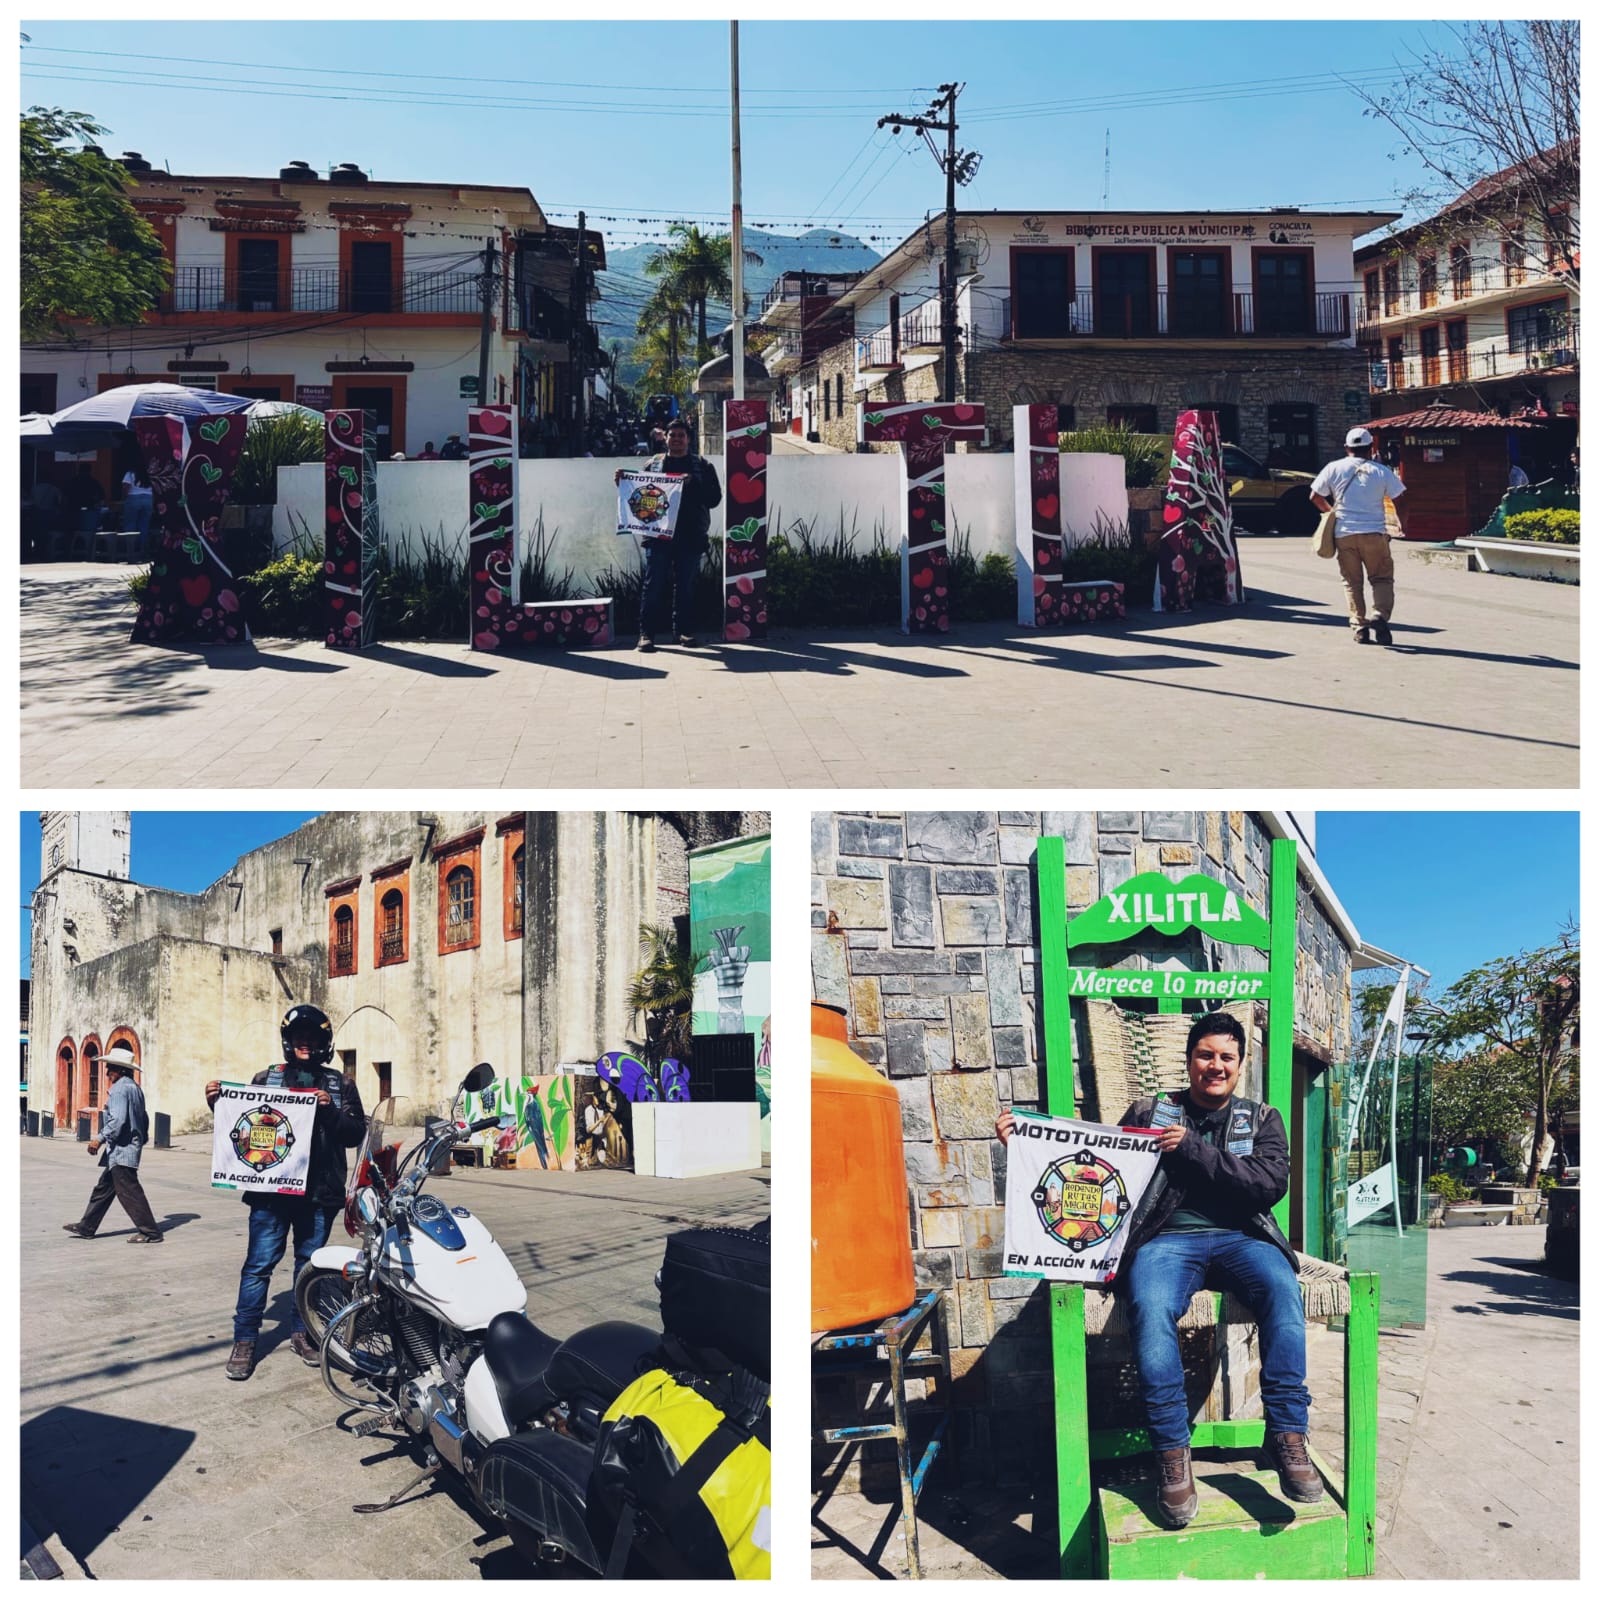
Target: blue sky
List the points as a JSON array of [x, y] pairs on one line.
[[1452, 889], [173, 849], [1198, 113]]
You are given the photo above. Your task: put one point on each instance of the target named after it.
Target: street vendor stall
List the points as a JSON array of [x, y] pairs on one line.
[[1456, 466]]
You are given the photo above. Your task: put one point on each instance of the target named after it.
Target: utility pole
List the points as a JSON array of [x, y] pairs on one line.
[[577, 326], [737, 241], [958, 167], [486, 326]]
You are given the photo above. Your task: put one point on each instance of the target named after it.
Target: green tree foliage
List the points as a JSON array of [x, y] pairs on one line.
[[87, 256], [1514, 1025], [696, 268], [662, 992]]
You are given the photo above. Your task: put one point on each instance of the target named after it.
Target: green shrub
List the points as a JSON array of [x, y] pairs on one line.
[[1112, 552], [1441, 1183], [1547, 526], [284, 598], [1144, 455], [270, 443]]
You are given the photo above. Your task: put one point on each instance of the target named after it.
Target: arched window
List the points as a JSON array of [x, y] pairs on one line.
[[392, 919], [129, 1040], [461, 911], [66, 1088], [519, 879], [344, 941]]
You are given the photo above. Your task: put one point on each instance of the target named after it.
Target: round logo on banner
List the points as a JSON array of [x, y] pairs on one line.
[[262, 1138], [648, 502], [1081, 1200]]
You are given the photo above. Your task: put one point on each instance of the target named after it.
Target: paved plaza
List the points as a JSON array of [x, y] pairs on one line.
[[141, 1460], [1477, 1442], [1480, 690]]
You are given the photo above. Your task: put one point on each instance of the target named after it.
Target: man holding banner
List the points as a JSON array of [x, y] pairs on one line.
[[1204, 1220], [281, 1141], [673, 525]]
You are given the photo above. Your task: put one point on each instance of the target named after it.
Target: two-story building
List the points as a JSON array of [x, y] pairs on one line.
[[802, 309], [1476, 309], [329, 290], [1124, 317]]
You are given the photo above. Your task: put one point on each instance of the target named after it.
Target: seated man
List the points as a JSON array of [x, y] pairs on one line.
[[1206, 1222]]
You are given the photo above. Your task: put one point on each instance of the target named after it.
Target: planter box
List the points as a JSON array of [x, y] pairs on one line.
[[1524, 1203], [1523, 558]]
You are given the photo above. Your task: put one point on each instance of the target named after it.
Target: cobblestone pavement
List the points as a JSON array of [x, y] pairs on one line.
[[1477, 1442], [1481, 689], [141, 1460]]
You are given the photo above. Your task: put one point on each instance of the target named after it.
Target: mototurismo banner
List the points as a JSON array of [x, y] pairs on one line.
[[262, 1139], [647, 503], [1071, 1191]]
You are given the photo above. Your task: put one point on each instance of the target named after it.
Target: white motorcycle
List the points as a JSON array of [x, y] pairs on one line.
[[423, 1328]]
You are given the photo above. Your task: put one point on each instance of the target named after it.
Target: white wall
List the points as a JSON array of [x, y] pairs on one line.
[[695, 1140], [577, 501]]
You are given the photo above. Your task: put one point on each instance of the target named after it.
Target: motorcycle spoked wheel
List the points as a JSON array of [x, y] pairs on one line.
[[320, 1294]]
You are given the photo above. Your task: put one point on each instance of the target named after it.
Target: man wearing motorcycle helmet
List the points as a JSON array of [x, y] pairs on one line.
[[340, 1123]]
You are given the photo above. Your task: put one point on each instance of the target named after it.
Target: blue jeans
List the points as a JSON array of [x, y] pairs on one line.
[[1165, 1275], [671, 567], [270, 1227], [136, 513]]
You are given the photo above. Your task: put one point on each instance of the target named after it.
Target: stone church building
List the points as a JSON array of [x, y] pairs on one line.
[[433, 940]]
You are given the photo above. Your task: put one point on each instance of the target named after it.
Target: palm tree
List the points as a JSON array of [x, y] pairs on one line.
[[697, 267], [662, 992]]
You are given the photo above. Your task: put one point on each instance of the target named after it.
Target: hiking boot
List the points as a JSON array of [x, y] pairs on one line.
[[302, 1346], [646, 643], [1177, 1500], [77, 1230], [1297, 1478], [1380, 632], [242, 1361], [1362, 636]]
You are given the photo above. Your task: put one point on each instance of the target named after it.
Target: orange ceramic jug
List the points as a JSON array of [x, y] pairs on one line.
[[860, 1238]]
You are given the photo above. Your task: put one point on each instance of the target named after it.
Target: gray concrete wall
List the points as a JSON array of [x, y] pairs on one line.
[[925, 931]]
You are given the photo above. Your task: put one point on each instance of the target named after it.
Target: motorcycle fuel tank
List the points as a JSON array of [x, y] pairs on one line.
[[452, 1266]]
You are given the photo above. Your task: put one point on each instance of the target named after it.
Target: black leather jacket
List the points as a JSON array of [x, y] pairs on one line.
[[338, 1128], [1240, 1181], [701, 492]]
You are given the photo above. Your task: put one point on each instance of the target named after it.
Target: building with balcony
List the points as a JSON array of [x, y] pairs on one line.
[[337, 290], [431, 940], [1127, 317], [802, 309], [1476, 309]]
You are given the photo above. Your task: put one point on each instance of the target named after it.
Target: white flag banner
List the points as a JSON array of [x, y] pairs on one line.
[[647, 503], [262, 1138], [1071, 1191]]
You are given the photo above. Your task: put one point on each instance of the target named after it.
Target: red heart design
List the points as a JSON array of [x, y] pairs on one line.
[[744, 489], [492, 422], [965, 413], [755, 460], [922, 578], [1048, 507], [196, 590]]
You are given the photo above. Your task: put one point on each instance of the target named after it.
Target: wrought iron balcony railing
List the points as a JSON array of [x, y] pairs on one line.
[[324, 289]]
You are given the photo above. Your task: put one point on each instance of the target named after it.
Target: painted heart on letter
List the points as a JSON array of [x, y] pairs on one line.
[[1049, 506], [209, 472], [214, 432], [196, 590], [744, 489]]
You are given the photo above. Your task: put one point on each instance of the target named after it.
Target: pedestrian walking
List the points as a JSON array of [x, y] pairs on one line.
[[672, 566], [124, 1132], [1354, 489], [307, 1037]]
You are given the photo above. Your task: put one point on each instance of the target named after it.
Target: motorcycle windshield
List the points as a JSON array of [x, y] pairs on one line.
[[395, 1112]]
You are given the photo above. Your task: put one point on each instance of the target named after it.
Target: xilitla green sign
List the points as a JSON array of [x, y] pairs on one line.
[[1103, 983], [1152, 902]]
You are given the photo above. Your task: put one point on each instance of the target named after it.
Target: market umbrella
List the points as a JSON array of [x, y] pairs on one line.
[[262, 409], [103, 420]]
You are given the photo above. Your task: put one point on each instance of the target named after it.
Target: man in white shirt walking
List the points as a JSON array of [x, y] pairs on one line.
[[1355, 489]]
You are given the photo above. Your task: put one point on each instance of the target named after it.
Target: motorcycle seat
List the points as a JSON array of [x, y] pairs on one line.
[[540, 1481], [532, 1371]]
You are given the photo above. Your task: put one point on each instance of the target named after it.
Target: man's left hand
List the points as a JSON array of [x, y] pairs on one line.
[[1170, 1138], [324, 1098], [94, 1147]]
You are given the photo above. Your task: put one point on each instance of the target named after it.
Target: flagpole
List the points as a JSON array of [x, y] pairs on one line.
[[737, 241]]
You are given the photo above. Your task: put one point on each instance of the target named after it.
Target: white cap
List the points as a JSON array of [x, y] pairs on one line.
[[1357, 439]]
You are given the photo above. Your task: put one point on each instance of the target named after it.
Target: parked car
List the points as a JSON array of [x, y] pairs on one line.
[[1264, 499]]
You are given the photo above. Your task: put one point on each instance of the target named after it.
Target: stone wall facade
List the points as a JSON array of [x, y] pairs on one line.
[[924, 930]]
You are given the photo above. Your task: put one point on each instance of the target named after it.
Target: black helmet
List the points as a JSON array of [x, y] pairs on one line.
[[303, 1020]]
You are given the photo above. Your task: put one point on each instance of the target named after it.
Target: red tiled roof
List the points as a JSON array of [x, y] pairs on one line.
[[1432, 418], [1546, 161]]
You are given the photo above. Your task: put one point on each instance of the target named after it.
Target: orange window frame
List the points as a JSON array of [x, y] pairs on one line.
[[467, 852], [513, 834], [396, 881], [341, 896]]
